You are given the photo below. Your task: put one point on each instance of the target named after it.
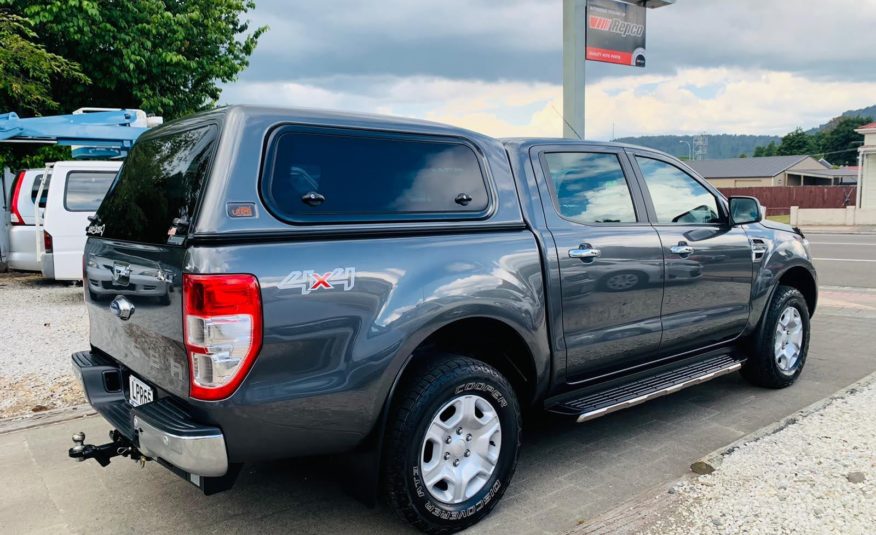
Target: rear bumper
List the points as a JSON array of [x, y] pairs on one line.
[[161, 430], [48, 265]]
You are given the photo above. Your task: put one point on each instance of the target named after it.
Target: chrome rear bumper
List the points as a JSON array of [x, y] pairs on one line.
[[161, 430]]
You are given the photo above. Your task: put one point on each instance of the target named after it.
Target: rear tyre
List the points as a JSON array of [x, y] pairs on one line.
[[778, 349], [451, 444]]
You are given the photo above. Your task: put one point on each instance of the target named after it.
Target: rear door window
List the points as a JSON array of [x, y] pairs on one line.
[[154, 197], [322, 177], [85, 190], [590, 187]]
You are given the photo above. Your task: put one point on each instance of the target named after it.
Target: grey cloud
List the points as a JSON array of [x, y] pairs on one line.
[[521, 39]]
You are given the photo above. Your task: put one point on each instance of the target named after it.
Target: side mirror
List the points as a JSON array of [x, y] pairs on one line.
[[745, 210]]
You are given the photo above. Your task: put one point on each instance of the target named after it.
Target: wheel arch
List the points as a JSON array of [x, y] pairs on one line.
[[804, 281]]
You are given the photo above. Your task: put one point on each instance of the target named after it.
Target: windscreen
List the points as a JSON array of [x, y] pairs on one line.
[[155, 194]]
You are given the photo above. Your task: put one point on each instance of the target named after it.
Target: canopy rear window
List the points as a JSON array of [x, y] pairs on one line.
[[158, 187], [332, 177]]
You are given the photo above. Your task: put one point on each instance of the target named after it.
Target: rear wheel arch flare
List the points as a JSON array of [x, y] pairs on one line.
[[486, 339]]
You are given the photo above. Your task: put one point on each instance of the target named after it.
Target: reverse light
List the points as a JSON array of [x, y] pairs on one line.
[[222, 324], [15, 215]]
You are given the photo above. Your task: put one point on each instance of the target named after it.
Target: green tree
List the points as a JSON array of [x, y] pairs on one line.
[[165, 57], [796, 142], [765, 150], [28, 70], [840, 144]]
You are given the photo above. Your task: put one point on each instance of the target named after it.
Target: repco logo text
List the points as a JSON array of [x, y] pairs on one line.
[[606, 24]]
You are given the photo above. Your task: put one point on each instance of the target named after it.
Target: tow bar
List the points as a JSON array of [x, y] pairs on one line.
[[103, 453]]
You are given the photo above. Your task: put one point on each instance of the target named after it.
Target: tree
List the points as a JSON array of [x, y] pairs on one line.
[[164, 57], [796, 142], [768, 150], [841, 142], [29, 71]]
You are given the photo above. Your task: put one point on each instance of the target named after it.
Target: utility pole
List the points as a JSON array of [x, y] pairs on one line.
[[574, 45]]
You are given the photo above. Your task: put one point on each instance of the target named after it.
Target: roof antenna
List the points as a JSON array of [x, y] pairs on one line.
[[567, 122]]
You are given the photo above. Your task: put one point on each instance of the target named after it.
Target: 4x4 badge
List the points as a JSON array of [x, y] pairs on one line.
[[310, 281]]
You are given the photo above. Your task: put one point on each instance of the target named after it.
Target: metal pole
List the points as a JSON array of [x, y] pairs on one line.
[[574, 58]]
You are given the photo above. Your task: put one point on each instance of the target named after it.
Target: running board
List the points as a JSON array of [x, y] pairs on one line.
[[625, 395]]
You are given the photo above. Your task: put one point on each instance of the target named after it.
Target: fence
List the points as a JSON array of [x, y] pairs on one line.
[[779, 199]]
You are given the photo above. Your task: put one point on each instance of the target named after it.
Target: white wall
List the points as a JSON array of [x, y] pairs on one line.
[[847, 216]]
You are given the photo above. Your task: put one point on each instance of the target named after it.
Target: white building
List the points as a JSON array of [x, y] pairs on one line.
[[867, 168]]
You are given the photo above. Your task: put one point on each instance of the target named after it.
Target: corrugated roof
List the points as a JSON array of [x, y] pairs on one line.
[[767, 166]]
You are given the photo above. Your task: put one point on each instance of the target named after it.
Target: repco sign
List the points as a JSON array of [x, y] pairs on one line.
[[616, 32]]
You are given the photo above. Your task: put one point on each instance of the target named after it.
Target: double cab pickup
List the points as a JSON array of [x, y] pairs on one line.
[[267, 283]]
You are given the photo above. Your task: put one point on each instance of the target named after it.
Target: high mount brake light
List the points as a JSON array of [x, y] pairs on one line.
[[222, 325], [16, 218]]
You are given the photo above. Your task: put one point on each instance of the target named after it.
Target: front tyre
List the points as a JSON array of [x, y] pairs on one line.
[[451, 444], [779, 347]]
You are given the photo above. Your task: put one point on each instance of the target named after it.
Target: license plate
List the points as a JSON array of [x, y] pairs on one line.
[[139, 393]]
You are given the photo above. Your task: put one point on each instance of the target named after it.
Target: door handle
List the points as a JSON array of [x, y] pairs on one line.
[[681, 249], [584, 253]]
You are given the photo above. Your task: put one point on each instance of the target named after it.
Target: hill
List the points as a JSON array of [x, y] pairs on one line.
[[863, 112], [720, 145]]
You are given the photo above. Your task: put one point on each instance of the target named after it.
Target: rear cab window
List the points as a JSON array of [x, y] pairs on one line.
[[155, 194], [324, 176]]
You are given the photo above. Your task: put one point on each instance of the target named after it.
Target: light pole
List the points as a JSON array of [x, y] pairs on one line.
[[689, 149]]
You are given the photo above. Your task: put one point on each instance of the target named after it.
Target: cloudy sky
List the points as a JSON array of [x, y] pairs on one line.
[[717, 66]]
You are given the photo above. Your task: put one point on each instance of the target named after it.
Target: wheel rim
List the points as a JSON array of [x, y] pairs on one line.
[[622, 282], [461, 448], [789, 340]]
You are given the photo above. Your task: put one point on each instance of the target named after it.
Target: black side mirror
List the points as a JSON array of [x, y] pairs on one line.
[[745, 210]]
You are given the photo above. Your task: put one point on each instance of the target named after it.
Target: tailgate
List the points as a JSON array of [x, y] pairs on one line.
[[148, 279], [135, 254]]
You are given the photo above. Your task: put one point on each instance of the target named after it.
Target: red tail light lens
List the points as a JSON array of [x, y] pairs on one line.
[[15, 214], [47, 242], [222, 325]]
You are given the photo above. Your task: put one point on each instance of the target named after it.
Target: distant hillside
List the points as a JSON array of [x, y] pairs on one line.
[[863, 112], [720, 145]]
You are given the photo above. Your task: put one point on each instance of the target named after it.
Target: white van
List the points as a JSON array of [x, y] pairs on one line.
[[75, 190], [22, 229]]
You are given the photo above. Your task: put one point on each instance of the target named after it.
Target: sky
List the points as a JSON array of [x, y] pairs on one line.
[[714, 66]]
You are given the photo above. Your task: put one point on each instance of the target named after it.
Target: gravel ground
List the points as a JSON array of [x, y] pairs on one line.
[[817, 475], [43, 323]]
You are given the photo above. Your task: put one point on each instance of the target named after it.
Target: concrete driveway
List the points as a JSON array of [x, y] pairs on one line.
[[567, 473]]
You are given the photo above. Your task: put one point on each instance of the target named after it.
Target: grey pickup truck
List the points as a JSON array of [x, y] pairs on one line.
[[266, 283]]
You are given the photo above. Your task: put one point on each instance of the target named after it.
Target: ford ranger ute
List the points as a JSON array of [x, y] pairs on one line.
[[281, 283]]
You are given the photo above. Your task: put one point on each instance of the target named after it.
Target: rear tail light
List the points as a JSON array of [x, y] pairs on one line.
[[47, 242], [222, 324], [16, 215]]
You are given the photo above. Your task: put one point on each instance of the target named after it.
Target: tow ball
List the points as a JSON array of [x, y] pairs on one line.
[[118, 445]]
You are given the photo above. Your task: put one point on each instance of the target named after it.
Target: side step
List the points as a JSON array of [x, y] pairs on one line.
[[621, 396]]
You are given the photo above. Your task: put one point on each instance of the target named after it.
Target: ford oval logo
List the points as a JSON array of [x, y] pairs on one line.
[[122, 308]]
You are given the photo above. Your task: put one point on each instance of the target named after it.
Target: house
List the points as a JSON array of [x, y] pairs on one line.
[[867, 168], [770, 171]]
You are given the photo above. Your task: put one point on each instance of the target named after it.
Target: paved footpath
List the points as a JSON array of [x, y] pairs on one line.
[[568, 473]]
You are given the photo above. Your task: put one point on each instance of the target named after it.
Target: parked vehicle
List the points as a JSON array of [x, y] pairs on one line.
[[22, 230], [75, 190], [403, 290]]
